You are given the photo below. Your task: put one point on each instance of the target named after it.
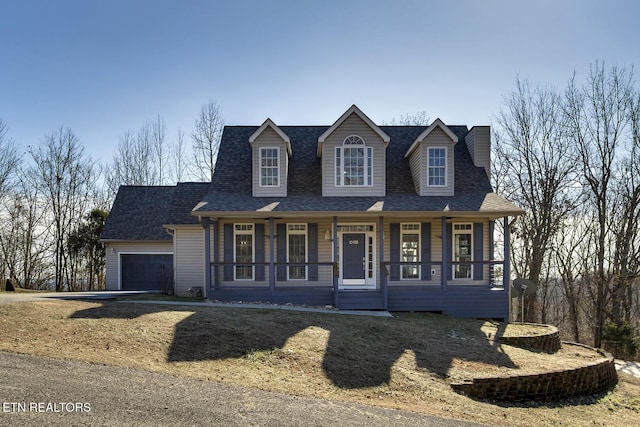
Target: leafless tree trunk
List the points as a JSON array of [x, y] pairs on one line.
[[571, 248], [598, 114], [9, 157], [538, 168], [158, 135], [626, 222], [206, 140], [66, 176], [179, 157]]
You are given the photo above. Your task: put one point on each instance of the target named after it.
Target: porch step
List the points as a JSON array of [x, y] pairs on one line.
[[361, 300]]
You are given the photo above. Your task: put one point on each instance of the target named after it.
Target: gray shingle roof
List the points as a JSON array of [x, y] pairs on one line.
[[139, 212], [232, 185]]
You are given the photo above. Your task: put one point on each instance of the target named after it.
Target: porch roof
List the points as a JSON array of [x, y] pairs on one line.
[[219, 204]]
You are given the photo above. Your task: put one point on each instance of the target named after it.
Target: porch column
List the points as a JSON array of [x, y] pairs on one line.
[[445, 265], [507, 253], [336, 298], [383, 277], [272, 270], [214, 225], [207, 256]]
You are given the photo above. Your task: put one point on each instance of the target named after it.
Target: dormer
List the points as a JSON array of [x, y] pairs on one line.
[[431, 159], [352, 153], [270, 153]]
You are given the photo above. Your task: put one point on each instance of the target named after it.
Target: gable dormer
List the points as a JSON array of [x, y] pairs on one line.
[[352, 153], [270, 153], [431, 159]]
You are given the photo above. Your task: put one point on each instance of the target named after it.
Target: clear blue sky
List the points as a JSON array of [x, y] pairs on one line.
[[102, 67]]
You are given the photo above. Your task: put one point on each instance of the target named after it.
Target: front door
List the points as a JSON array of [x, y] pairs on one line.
[[354, 262]]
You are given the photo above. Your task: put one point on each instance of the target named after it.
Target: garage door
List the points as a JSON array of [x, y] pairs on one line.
[[146, 272]]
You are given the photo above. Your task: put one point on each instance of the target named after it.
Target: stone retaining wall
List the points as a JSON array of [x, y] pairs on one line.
[[549, 343], [549, 386]]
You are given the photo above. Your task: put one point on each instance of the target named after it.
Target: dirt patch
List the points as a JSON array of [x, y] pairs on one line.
[[405, 362]]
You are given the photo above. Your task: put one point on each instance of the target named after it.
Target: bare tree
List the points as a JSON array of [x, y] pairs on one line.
[[133, 163], [537, 166], [9, 157], [179, 157], [625, 222], [421, 118], [599, 118], [572, 248], [66, 176], [24, 235], [158, 136], [206, 140]]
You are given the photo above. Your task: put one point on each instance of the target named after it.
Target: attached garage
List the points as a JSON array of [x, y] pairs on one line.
[[146, 272]]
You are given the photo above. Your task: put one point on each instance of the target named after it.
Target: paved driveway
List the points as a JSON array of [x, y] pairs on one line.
[[44, 391]]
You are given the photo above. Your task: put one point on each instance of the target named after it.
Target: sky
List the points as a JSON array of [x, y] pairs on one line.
[[101, 68]]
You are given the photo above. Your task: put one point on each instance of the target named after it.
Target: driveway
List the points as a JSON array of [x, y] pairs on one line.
[[44, 391]]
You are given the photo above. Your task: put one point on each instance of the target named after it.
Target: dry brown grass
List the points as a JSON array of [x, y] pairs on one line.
[[406, 362]]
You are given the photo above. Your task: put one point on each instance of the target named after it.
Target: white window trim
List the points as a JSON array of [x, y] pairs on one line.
[[368, 165], [277, 168], [446, 166], [419, 233], [453, 248], [253, 249], [306, 249]]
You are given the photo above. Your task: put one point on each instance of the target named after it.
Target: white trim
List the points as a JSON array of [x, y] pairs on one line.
[[353, 109], [260, 184], [437, 123], [446, 167], [120, 253], [358, 284], [269, 123], [368, 163]]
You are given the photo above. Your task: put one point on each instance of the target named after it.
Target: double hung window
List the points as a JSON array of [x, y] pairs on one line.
[[269, 167], [437, 167]]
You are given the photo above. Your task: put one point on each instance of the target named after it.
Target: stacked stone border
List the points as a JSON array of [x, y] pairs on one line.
[[549, 386], [548, 342]]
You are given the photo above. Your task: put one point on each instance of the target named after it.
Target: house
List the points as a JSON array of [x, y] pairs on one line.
[[353, 215]]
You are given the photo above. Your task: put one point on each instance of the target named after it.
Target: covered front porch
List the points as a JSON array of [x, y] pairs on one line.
[[361, 264]]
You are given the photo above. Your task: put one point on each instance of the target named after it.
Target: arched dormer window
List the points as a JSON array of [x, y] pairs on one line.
[[354, 163]]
